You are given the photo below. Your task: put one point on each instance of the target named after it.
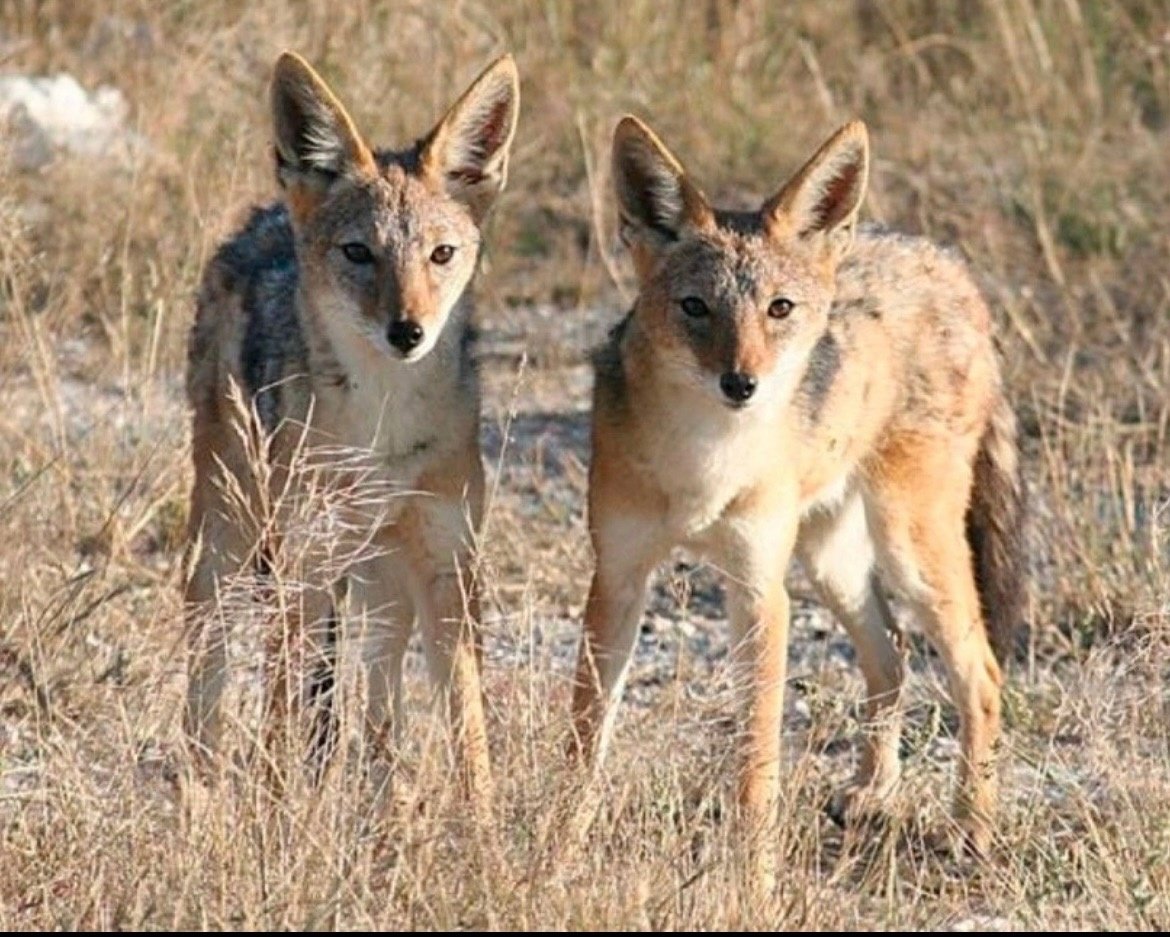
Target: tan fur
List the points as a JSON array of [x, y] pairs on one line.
[[871, 398], [311, 345]]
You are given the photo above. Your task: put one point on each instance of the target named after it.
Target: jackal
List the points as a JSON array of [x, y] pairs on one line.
[[788, 383], [342, 312]]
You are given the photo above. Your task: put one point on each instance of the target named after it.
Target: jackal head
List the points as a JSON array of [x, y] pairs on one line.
[[388, 241], [733, 302]]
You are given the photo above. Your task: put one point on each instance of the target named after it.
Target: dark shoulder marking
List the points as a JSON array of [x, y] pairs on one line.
[[824, 363], [468, 366], [259, 264], [265, 241], [608, 375]]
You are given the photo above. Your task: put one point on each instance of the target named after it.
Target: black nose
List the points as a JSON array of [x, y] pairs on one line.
[[404, 335], [737, 386]]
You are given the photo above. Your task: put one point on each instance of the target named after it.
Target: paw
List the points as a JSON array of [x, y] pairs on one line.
[[861, 803], [960, 841], [198, 798], [975, 837]]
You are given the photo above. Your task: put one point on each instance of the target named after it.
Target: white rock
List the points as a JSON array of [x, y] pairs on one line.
[[44, 117]]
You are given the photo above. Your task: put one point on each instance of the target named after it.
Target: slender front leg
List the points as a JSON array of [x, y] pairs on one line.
[[760, 621], [448, 606], [385, 617], [627, 548], [221, 542], [437, 534], [838, 554], [218, 553], [753, 549]]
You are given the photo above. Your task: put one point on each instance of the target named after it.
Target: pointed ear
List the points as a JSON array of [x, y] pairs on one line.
[[823, 199], [656, 199], [468, 149], [316, 140]]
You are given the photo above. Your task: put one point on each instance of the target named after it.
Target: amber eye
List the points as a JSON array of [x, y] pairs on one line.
[[357, 253], [694, 307], [442, 254], [780, 308]]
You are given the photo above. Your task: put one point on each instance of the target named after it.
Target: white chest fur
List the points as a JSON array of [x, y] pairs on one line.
[[702, 458], [404, 413], [394, 410]]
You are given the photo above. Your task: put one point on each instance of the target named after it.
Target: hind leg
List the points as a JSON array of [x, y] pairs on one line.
[[918, 504], [837, 553], [300, 649], [320, 687]]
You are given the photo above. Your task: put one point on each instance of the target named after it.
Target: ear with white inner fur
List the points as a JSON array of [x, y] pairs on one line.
[[823, 199], [468, 149], [656, 198], [316, 140]]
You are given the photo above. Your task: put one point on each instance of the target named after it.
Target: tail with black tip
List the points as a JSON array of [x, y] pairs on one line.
[[995, 533]]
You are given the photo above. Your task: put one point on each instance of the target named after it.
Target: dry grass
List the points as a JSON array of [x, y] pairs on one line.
[[1032, 134]]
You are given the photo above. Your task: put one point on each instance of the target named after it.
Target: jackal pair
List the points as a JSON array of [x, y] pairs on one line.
[[784, 383]]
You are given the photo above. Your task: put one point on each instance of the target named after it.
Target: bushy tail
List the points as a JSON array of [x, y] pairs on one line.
[[995, 533]]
